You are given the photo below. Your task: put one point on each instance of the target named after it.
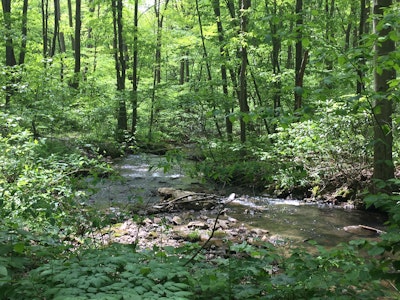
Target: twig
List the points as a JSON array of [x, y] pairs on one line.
[[212, 232], [372, 229]]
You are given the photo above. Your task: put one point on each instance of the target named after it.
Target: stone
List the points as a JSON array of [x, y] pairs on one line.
[[157, 220], [232, 220], [198, 225], [223, 224], [176, 220]]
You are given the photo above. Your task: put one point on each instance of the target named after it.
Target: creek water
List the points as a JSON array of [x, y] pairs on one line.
[[142, 175]]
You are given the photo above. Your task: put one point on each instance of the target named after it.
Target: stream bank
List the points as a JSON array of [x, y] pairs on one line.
[[249, 218]]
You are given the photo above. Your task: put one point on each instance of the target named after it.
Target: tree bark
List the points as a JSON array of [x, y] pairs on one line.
[[361, 60], [298, 98], [157, 63], [57, 16], [135, 68], [77, 45], [24, 31], [10, 57], [244, 107], [120, 67], [71, 23], [224, 55], [45, 26], [383, 74]]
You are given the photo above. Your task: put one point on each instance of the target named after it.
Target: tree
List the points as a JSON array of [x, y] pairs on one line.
[[10, 57], [301, 57], [384, 73], [157, 64], [224, 55], [361, 30], [77, 45], [135, 67], [120, 67], [244, 106]]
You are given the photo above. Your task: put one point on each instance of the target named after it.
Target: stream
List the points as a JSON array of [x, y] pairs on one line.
[[293, 220]]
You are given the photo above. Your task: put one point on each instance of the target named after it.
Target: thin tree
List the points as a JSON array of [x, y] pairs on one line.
[[10, 57], [71, 22], [45, 26], [120, 67], [383, 74], [274, 24], [57, 17], [244, 106], [77, 45], [361, 62], [135, 68], [157, 65], [224, 56], [301, 57], [208, 67]]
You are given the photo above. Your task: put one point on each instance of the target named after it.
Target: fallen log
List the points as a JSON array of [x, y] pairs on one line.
[[358, 229]]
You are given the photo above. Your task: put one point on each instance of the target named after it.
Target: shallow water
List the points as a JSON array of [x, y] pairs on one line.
[[142, 175]]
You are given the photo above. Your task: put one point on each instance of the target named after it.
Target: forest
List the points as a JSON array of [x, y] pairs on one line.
[[296, 99]]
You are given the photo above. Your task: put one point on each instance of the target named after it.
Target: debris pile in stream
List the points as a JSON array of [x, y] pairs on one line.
[[183, 217]]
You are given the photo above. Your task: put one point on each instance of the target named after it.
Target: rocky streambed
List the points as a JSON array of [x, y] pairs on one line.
[[175, 210]]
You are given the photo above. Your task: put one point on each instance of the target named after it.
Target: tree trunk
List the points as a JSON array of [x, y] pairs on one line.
[[383, 74], [276, 49], [208, 67], [77, 45], [361, 60], [157, 64], [135, 68], [10, 54], [71, 23], [57, 16], [45, 26], [244, 107], [120, 68], [224, 54], [298, 98], [24, 31]]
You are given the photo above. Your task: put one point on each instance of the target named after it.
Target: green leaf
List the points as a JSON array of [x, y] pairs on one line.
[[19, 248], [393, 36], [3, 271], [305, 42], [376, 251]]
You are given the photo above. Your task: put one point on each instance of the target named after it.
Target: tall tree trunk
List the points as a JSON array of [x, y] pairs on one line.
[[135, 68], [57, 17], [208, 67], [71, 23], [329, 31], [120, 67], [24, 31], [383, 74], [224, 55], [275, 55], [157, 65], [244, 107], [10, 58], [77, 46], [45, 26], [361, 60], [298, 98]]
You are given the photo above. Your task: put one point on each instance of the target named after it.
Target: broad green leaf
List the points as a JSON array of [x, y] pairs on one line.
[[3, 271]]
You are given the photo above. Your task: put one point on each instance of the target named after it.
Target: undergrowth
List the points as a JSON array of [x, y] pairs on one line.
[[119, 272], [46, 252]]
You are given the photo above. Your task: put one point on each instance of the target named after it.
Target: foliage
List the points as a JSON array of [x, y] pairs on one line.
[[39, 203], [302, 154], [119, 272]]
